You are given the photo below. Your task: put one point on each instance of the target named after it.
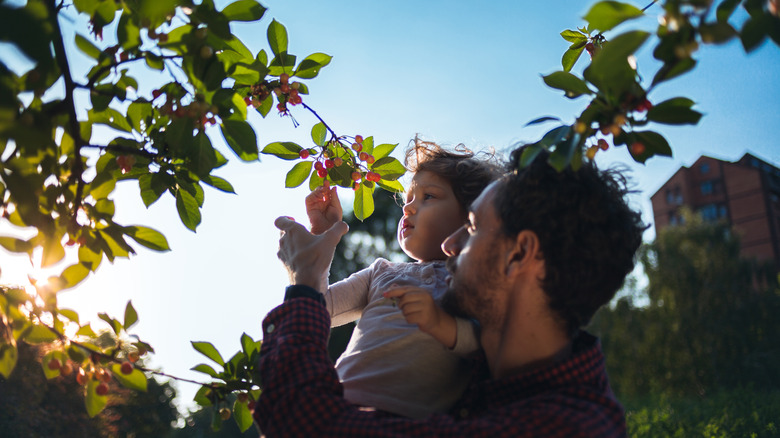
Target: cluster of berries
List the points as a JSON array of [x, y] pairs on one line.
[[97, 372], [287, 93], [201, 112], [327, 161]]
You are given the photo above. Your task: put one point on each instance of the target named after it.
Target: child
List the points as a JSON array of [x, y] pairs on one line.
[[389, 363]]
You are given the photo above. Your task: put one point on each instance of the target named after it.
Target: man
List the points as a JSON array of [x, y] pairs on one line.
[[540, 253]]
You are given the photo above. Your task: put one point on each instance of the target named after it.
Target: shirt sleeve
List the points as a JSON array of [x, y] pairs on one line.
[[347, 298], [467, 337]]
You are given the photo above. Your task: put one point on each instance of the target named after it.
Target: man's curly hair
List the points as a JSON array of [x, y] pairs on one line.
[[467, 172], [587, 232]]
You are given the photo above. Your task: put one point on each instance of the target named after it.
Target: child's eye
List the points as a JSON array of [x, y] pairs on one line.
[[428, 196]]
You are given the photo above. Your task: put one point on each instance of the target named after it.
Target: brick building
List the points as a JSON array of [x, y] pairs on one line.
[[745, 193]]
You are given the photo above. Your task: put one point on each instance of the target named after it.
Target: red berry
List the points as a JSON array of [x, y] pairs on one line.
[[248, 100], [67, 369], [156, 94], [54, 364], [126, 368], [363, 156], [318, 165], [284, 78], [329, 164], [304, 154], [357, 147], [373, 176], [338, 161], [281, 107], [355, 176], [81, 377], [370, 159], [637, 148], [322, 173], [102, 389], [285, 88], [603, 145], [133, 356], [359, 139], [103, 375]]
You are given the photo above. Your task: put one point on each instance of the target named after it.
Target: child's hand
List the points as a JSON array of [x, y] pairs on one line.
[[323, 208], [418, 307]]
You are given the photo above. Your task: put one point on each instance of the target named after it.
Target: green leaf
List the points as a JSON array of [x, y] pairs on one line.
[[311, 65], [8, 357], [148, 237], [726, 8], [87, 47], [610, 70], [110, 117], [55, 354], [135, 380], [13, 244], [244, 10], [717, 33], [86, 330], [74, 274], [318, 134], [364, 202], [152, 186], [391, 186], [205, 369], [39, 334], [70, 314], [53, 252], [243, 416], [542, 120], [570, 58], [277, 38], [574, 36], [298, 174], [219, 183], [673, 69], [115, 325], [389, 168], [605, 15], [129, 35], [188, 208], [202, 396], [570, 84], [676, 111], [131, 316], [95, 403], [208, 350], [655, 144], [383, 150], [241, 138], [248, 344], [285, 150]]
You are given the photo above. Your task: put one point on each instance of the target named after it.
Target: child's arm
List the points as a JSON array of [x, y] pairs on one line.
[[323, 208], [419, 308]]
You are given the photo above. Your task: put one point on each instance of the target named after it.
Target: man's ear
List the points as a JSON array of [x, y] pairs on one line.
[[523, 252]]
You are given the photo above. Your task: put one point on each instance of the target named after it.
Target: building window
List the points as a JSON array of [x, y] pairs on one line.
[[706, 188], [672, 218], [709, 213], [704, 168], [678, 195]]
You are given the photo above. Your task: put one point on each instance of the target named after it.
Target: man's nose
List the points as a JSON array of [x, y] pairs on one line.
[[454, 243]]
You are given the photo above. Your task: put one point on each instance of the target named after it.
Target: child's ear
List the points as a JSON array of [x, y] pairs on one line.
[[524, 250]]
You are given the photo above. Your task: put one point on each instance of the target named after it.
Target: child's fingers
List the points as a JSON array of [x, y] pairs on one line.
[[397, 291]]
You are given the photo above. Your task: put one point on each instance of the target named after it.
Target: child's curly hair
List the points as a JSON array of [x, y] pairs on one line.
[[467, 173]]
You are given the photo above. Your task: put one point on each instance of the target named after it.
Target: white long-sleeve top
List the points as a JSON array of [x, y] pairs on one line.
[[390, 364]]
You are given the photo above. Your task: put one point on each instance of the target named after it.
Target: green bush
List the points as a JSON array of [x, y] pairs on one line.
[[727, 414]]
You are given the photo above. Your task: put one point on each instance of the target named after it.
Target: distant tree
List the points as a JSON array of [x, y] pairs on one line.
[[709, 323], [200, 424], [38, 407]]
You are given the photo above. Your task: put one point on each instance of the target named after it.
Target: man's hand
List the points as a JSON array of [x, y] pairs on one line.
[[323, 208], [419, 308], [306, 256]]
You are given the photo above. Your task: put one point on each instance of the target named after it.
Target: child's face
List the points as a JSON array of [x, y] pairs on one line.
[[431, 214]]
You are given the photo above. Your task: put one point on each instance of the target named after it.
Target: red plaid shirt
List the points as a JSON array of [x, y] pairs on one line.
[[302, 395]]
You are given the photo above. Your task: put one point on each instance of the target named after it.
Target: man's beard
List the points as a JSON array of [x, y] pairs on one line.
[[470, 299]]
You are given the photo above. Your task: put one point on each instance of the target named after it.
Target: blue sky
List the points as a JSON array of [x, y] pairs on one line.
[[452, 71]]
